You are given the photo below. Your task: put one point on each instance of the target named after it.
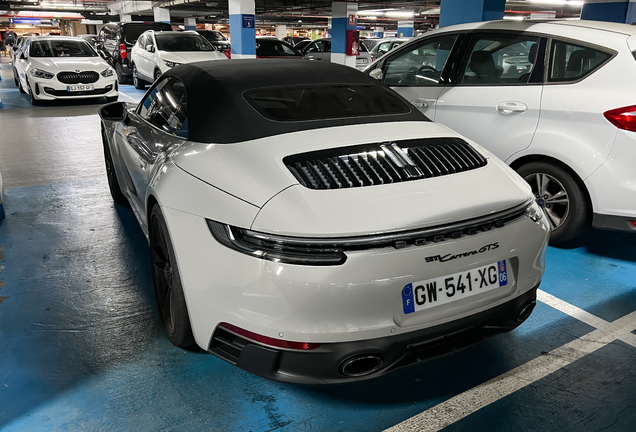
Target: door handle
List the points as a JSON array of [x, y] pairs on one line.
[[511, 107], [422, 102]]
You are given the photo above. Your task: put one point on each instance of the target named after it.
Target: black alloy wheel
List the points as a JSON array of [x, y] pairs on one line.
[[111, 175], [138, 83], [560, 197], [173, 311]]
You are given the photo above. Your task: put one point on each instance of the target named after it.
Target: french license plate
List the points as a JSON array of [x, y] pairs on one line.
[[429, 293], [80, 87], [362, 60]]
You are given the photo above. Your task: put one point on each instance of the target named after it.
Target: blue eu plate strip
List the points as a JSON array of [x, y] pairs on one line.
[[408, 302]]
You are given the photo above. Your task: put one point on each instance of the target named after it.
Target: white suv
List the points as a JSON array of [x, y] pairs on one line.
[[551, 98], [157, 52]]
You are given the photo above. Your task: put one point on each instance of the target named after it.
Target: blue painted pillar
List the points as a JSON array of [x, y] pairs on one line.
[[405, 29], [190, 23], [620, 11], [465, 11], [343, 18], [242, 29], [378, 32]]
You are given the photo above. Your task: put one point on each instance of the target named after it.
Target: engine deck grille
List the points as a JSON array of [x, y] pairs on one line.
[[382, 163], [78, 78]]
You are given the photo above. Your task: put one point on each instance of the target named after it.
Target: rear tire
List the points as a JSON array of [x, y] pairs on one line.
[[121, 78], [166, 279], [138, 82], [15, 78], [559, 195], [111, 174], [157, 74], [20, 87]]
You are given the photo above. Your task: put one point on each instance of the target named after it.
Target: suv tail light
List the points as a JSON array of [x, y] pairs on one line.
[[623, 118], [122, 51]]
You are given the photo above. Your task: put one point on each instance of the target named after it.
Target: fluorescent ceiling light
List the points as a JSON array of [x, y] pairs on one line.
[[513, 17], [557, 2], [400, 14], [369, 12]]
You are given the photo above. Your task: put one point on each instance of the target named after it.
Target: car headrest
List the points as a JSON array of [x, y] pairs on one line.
[[481, 63]]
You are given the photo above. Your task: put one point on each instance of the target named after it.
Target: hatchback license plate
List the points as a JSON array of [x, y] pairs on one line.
[[429, 293], [362, 60], [75, 88]]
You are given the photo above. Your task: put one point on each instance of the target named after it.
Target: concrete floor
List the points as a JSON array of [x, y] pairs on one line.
[[82, 349]]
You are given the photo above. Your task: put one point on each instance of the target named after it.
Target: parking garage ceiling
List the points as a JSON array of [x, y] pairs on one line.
[[307, 13]]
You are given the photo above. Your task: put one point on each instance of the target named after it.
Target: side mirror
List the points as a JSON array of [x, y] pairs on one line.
[[114, 111], [376, 74], [23, 56], [150, 48]]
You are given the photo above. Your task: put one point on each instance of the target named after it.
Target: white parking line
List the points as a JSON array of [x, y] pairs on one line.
[[464, 404], [130, 98]]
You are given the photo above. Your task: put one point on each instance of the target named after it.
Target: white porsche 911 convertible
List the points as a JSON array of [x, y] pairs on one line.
[[318, 228]]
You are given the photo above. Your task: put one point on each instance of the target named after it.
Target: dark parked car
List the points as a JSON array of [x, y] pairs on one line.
[[216, 38], [270, 47], [118, 38], [293, 40]]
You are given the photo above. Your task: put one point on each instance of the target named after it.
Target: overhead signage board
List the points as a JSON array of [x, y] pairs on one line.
[[29, 21]]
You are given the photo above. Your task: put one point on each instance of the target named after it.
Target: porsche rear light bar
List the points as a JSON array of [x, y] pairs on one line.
[[122, 51], [623, 118], [278, 343]]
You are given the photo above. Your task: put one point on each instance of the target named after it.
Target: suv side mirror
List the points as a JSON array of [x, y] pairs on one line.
[[114, 111], [150, 48]]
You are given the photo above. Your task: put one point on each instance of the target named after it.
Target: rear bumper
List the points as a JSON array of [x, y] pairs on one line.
[[325, 364], [614, 223]]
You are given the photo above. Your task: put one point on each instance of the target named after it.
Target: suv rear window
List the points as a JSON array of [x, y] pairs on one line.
[[570, 62], [133, 31], [305, 103]]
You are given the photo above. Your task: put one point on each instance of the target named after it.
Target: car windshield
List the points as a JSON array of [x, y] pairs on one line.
[[213, 35], [303, 103], [274, 48], [61, 48], [182, 42]]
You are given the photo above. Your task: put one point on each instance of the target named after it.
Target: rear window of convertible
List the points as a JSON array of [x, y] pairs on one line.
[[320, 102]]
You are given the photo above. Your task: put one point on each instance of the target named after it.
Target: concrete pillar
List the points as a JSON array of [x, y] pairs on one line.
[[465, 11], [242, 29], [378, 32], [190, 23], [621, 11], [125, 18], [343, 18], [162, 14], [281, 31], [405, 29]]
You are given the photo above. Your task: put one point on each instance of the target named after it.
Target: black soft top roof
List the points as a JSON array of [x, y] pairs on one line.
[[218, 112]]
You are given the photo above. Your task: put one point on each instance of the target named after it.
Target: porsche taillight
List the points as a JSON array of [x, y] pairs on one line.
[[279, 343], [623, 118], [122, 51]]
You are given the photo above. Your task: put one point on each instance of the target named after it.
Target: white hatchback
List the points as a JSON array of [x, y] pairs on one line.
[[551, 98], [157, 52], [58, 67]]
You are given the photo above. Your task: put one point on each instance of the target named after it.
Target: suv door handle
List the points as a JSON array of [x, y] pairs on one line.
[[511, 107]]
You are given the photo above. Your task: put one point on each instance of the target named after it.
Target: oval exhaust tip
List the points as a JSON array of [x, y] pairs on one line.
[[361, 365], [526, 311]]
